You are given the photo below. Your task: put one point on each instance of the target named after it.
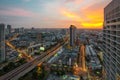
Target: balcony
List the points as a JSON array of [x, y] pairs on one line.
[[114, 26], [118, 33], [118, 39], [119, 17], [118, 46], [113, 49], [118, 60], [118, 67], [113, 32], [113, 68]]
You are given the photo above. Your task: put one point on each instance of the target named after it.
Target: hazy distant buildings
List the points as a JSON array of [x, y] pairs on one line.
[[63, 31], [9, 29], [2, 42], [16, 30], [72, 35], [39, 37], [19, 30], [111, 39]]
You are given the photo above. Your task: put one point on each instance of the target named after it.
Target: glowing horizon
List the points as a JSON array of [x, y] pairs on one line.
[[85, 14]]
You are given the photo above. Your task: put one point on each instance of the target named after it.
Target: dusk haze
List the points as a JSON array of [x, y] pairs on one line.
[[59, 39], [53, 13]]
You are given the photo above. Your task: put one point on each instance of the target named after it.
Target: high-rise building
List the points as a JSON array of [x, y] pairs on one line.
[[17, 30], [72, 35], [9, 29], [21, 30], [39, 37], [81, 57], [111, 40], [2, 42]]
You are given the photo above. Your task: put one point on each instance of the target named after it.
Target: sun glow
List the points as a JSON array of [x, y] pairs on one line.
[[90, 21], [69, 14]]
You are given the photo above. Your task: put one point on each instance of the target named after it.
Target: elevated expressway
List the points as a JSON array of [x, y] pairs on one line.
[[25, 68]]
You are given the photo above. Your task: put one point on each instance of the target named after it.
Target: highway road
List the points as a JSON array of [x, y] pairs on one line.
[[14, 74]]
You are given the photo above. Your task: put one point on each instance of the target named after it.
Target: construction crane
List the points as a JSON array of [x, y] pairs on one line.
[[22, 54]]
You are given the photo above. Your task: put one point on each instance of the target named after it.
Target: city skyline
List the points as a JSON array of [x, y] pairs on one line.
[[53, 14]]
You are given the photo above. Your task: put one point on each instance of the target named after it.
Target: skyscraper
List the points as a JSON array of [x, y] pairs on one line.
[[72, 35], [111, 40], [2, 42], [21, 30], [17, 30], [9, 29]]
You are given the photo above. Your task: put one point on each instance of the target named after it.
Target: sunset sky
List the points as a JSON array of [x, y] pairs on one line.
[[53, 13]]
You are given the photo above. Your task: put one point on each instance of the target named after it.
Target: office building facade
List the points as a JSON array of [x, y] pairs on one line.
[[17, 30], [111, 40], [72, 35], [2, 42], [9, 29]]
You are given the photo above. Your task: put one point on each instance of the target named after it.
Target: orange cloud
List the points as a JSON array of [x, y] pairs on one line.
[[69, 14], [74, 1], [89, 16], [91, 20], [92, 25]]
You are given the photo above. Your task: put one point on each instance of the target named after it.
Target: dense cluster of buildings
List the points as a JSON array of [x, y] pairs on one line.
[[110, 46], [27, 38], [3, 32], [6, 32]]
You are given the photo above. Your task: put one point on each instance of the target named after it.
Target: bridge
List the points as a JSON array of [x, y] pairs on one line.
[[25, 68]]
